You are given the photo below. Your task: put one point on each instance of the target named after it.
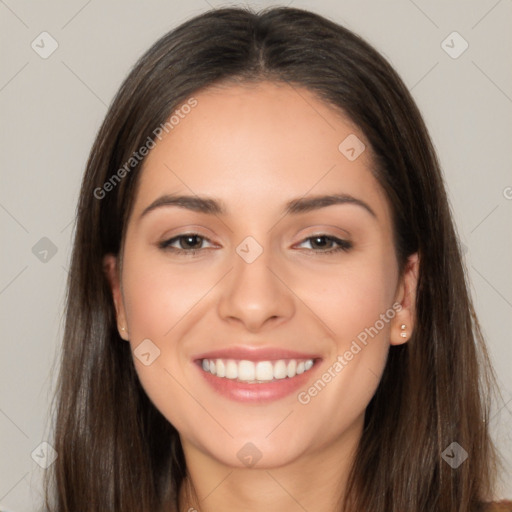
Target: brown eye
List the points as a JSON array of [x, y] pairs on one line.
[[327, 244], [187, 243]]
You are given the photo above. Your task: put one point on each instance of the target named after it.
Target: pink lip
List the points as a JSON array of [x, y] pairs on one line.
[[255, 354], [257, 393]]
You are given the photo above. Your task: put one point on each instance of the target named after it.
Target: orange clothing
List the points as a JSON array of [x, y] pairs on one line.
[[499, 506]]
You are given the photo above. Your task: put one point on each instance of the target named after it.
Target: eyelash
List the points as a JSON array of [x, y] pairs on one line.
[[343, 245]]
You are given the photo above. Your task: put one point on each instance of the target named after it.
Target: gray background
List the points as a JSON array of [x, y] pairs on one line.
[[51, 109]]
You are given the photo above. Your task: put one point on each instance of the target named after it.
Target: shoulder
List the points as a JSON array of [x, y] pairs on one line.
[[498, 506]]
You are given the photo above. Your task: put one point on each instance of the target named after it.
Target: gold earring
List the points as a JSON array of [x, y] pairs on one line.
[[403, 334]]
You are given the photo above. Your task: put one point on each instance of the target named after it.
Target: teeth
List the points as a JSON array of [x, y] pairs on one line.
[[264, 370], [231, 370], [280, 369], [221, 368], [292, 367], [261, 371], [246, 370]]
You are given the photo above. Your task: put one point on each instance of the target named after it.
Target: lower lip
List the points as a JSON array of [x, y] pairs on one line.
[[257, 393]]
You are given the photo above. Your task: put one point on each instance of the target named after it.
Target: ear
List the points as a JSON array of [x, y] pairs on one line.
[[403, 323], [112, 273]]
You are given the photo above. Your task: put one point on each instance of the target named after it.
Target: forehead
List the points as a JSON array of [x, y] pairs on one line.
[[259, 143]]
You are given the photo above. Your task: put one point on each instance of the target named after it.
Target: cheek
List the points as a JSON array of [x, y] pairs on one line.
[[356, 304], [352, 296], [162, 305], [158, 297]]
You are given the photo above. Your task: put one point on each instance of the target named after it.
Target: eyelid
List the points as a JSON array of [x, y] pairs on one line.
[[190, 229], [324, 229], [166, 242]]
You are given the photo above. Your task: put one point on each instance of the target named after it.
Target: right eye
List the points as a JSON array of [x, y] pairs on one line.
[[188, 243]]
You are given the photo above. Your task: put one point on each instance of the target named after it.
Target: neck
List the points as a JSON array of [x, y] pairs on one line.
[[313, 481]]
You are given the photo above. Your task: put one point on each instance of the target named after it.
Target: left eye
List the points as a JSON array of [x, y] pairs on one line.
[[319, 241]]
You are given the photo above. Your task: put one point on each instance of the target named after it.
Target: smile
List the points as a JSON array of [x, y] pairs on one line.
[[256, 372]]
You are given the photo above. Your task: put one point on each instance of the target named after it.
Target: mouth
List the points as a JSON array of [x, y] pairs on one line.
[[257, 381]]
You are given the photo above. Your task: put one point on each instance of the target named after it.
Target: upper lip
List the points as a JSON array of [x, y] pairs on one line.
[[255, 354]]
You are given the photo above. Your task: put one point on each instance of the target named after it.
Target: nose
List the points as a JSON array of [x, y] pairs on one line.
[[255, 294]]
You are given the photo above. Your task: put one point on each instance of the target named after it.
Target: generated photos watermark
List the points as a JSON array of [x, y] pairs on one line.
[[142, 152], [304, 397]]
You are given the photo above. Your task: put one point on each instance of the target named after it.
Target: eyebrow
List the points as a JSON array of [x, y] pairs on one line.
[[293, 207]]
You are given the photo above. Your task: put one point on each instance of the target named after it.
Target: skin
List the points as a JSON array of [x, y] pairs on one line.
[[255, 147]]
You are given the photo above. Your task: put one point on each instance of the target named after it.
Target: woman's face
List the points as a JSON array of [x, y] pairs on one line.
[[256, 278]]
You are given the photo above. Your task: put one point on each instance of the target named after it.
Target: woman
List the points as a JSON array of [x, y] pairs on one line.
[[267, 307]]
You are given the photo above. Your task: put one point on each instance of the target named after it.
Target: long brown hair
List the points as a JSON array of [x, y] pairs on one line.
[[115, 449]]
